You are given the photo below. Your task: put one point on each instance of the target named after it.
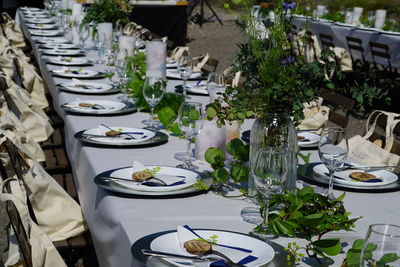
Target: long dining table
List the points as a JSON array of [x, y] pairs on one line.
[[117, 221]]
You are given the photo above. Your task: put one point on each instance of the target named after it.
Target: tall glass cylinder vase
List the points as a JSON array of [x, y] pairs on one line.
[[274, 130]]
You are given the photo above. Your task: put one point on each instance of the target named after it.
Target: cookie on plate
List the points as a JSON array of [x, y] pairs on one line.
[[197, 247], [362, 176]]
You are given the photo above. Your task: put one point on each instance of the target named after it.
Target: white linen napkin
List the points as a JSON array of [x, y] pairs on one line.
[[169, 180], [237, 254]]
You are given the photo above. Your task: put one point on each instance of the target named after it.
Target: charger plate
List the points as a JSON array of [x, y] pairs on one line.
[[159, 139], [102, 181], [280, 258], [307, 174]]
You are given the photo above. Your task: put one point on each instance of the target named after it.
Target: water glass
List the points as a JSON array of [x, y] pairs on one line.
[[109, 53], [185, 69], [190, 120], [270, 174], [153, 91], [84, 32], [215, 85], [381, 246], [100, 46], [333, 150]]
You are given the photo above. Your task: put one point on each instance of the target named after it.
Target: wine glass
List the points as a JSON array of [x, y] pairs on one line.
[[190, 120], [153, 91], [270, 173], [109, 53], [185, 69], [381, 242], [100, 46], [84, 32], [333, 150]]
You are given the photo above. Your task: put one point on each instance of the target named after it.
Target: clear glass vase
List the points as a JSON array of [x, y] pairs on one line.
[[274, 130]]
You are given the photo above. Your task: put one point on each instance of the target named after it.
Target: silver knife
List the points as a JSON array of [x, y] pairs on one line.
[[149, 252], [367, 168]]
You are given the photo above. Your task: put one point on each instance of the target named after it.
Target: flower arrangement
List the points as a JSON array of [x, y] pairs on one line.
[[116, 11], [276, 80]]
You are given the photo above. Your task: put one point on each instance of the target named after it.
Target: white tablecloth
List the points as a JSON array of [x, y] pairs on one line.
[[116, 222]]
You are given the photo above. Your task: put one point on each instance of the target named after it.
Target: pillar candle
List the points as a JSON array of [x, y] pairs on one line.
[[380, 17], [357, 12], [105, 30], [156, 54], [128, 43]]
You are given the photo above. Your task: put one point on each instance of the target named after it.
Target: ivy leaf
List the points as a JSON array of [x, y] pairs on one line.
[[211, 113], [388, 257], [238, 149], [221, 175], [239, 173], [358, 244], [167, 116], [312, 220], [214, 156], [331, 247], [174, 128]]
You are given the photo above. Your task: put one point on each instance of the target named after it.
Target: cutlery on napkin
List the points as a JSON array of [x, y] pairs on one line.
[[238, 255], [167, 180]]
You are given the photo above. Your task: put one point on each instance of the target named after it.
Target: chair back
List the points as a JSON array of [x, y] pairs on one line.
[[17, 75], [339, 102], [380, 53], [356, 52], [210, 66], [326, 41]]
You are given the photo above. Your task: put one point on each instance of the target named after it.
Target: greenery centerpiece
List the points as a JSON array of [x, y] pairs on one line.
[[114, 11]]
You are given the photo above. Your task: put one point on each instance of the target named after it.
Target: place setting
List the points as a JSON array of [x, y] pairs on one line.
[[98, 107], [121, 137], [187, 246], [186, 70], [150, 180], [336, 170], [68, 61], [51, 41], [308, 139], [46, 32], [80, 73], [40, 20], [85, 87], [42, 26], [63, 52], [59, 46]]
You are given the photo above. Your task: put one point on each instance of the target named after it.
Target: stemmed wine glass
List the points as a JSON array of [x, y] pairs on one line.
[[100, 46], [270, 173], [185, 69], [190, 120], [153, 91], [215, 85], [84, 32], [381, 245], [333, 150]]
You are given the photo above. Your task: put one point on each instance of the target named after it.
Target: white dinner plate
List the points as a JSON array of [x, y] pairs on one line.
[[140, 135], [86, 87], [68, 61], [101, 106], [189, 178], [48, 40], [25, 8], [63, 52], [75, 73], [60, 46], [45, 32], [170, 243], [41, 26], [383, 177], [37, 20], [310, 139], [173, 73], [36, 16], [171, 63]]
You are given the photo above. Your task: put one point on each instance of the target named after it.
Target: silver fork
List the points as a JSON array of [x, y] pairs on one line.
[[125, 180], [131, 136]]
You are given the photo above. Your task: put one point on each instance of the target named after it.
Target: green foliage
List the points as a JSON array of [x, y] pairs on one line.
[[353, 255], [238, 171], [309, 215], [108, 11], [334, 16]]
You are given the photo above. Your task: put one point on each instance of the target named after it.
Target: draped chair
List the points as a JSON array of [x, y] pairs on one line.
[[340, 108], [72, 249]]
